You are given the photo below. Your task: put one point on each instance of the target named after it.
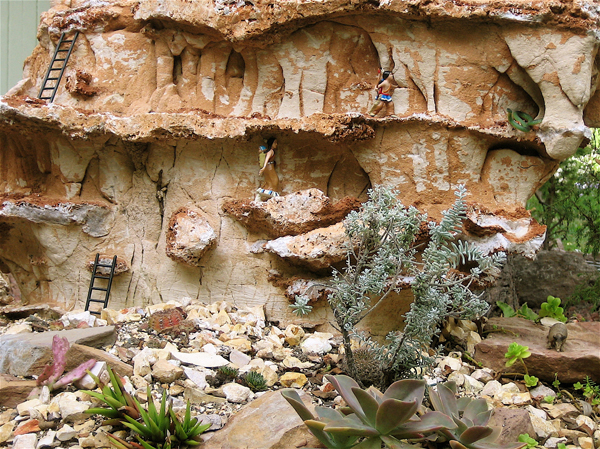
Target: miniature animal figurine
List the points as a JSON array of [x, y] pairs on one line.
[[557, 336], [385, 89], [521, 120], [266, 158]]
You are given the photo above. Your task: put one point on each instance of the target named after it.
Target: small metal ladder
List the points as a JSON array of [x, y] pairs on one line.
[[62, 53], [100, 274]]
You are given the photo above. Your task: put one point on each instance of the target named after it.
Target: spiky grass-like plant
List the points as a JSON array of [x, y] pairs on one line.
[[255, 381], [228, 371]]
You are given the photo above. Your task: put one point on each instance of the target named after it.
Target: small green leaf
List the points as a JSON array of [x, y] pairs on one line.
[[108, 412], [507, 310], [527, 313], [530, 442], [516, 352], [531, 381]]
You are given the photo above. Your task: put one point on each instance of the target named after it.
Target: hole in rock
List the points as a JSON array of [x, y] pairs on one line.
[[177, 69], [522, 148], [235, 65]]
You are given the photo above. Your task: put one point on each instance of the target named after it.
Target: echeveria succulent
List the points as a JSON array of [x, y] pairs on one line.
[[470, 416], [373, 418], [316, 424], [386, 417], [379, 417]]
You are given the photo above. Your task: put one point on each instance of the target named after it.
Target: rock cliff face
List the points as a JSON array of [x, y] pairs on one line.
[[149, 150]]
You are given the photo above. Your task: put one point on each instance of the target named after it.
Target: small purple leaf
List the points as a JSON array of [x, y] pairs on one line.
[[392, 413], [75, 374], [406, 390]]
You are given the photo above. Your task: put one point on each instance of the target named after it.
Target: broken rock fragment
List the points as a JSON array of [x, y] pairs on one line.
[[189, 236], [293, 214], [316, 250]]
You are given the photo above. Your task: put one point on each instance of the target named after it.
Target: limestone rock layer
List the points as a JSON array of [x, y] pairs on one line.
[[164, 105]]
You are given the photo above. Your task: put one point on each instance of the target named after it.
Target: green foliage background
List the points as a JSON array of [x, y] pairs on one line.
[[569, 203]]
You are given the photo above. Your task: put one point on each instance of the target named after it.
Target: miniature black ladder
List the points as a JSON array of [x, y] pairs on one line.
[[57, 67], [101, 271]]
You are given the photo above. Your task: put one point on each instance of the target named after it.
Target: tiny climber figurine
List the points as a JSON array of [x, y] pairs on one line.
[[385, 89], [266, 158]]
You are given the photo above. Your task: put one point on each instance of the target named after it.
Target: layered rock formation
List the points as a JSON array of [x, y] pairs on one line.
[[166, 103]]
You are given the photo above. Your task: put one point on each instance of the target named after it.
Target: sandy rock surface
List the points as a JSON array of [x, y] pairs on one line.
[[165, 104]]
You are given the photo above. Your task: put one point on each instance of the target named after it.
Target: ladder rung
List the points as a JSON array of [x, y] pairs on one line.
[[104, 265], [63, 46], [99, 289], [101, 277], [96, 300]]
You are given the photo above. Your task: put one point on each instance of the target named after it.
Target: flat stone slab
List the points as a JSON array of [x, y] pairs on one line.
[[272, 423], [203, 359], [43, 310], [13, 390], [27, 354], [80, 353], [580, 358]]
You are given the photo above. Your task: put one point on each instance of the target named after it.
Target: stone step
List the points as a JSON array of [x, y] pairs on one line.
[[27, 354]]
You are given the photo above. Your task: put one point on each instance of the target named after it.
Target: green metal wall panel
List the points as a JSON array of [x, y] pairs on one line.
[[19, 20]]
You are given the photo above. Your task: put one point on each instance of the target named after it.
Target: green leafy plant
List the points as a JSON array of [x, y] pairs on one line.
[[556, 382], [255, 381], [383, 239], [561, 446], [523, 312], [530, 442], [120, 402], [588, 291], [517, 352], [155, 428], [374, 418], [531, 381], [507, 310], [549, 399], [186, 432], [153, 431], [551, 308], [569, 202], [590, 390]]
